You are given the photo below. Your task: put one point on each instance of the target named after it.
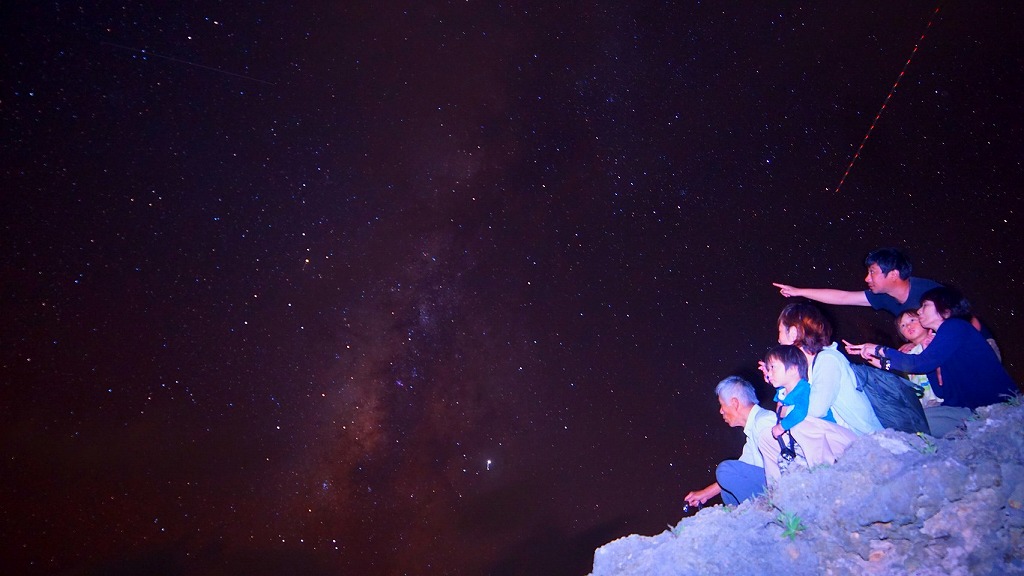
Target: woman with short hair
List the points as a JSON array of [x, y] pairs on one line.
[[961, 365], [833, 383]]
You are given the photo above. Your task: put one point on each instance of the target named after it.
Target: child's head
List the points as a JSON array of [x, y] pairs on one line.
[[909, 327], [786, 365]]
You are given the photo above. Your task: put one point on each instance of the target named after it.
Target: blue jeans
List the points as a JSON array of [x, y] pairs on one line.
[[739, 481]]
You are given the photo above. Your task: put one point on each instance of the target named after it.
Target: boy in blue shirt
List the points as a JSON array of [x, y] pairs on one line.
[[787, 370], [821, 439]]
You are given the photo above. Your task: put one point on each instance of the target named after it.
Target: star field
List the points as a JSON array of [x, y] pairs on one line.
[[445, 288]]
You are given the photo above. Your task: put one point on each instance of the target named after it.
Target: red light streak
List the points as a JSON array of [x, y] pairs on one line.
[[885, 102]]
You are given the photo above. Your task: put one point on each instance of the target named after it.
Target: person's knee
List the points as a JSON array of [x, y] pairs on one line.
[[726, 467], [727, 470], [739, 481]]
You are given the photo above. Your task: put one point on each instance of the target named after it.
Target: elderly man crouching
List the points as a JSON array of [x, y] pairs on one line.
[[738, 480]]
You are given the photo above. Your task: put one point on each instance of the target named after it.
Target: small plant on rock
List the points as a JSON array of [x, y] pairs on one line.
[[930, 447], [791, 524]]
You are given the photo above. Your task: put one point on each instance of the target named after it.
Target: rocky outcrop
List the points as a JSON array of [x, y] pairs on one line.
[[895, 503]]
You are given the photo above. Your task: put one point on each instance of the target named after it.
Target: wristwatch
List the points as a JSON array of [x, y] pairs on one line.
[[886, 362]]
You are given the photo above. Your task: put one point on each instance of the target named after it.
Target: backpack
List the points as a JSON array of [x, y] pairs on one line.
[[893, 399]]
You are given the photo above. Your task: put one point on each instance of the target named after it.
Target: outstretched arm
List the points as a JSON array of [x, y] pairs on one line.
[[699, 497], [865, 351], [825, 295], [931, 358]]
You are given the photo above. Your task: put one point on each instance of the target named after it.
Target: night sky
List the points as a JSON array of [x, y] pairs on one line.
[[445, 287]]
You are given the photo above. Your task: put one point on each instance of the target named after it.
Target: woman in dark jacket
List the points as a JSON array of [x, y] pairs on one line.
[[961, 366]]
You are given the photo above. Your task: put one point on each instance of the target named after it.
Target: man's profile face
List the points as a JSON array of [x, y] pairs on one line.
[[880, 283], [730, 411]]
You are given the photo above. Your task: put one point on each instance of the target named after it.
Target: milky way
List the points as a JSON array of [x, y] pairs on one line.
[[446, 287]]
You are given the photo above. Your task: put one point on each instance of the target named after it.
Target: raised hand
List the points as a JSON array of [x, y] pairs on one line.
[[786, 290]]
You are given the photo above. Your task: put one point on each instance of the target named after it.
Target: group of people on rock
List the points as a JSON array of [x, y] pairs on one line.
[[948, 355]]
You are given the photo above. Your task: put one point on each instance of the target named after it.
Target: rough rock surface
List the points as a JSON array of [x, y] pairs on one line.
[[895, 503]]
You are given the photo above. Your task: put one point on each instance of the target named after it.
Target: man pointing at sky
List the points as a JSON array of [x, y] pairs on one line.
[[890, 285]]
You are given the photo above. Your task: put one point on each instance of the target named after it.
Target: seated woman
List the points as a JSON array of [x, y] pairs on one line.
[[833, 383], [917, 338], [833, 390], [962, 367], [821, 440]]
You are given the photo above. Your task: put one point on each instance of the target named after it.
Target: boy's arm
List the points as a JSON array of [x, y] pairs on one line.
[[798, 408], [825, 295], [796, 415]]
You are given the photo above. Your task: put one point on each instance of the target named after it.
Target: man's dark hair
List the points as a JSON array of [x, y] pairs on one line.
[[790, 356], [813, 330], [889, 259], [949, 302]]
